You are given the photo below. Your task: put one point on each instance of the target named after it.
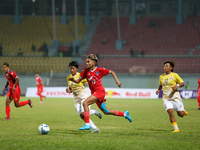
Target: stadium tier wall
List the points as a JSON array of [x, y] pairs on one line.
[[128, 81]]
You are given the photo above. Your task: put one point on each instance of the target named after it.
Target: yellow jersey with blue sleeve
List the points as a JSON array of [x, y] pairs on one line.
[[78, 89], [167, 82]]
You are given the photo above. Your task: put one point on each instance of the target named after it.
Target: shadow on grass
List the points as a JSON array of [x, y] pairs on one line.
[[151, 129], [70, 132]]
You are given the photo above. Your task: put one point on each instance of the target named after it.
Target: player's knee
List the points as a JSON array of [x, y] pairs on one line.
[[181, 114], [17, 105], [85, 103]]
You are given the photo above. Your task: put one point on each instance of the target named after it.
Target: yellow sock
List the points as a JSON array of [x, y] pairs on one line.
[[174, 124]]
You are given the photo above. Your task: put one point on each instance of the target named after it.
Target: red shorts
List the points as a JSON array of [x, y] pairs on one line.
[[14, 95], [100, 94], [39, 89]]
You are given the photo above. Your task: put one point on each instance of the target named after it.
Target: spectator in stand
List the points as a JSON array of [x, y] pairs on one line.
[[142, 53], [20, 53], [33, 48], [131, 52], [44, 48]]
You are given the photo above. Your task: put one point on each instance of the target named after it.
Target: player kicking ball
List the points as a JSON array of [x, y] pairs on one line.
[[40, 86], [172, 101], [14, 91], [94, 75], [80, 95]]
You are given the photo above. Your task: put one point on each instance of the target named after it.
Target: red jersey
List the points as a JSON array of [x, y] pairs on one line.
[[38, 80], [199, 81], [11, 77], [94, 77]]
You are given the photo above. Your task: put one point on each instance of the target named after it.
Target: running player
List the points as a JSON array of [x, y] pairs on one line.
[[172, 101], [14, 91], [198, 96], [93, 75], [40, 86], [80, 94]]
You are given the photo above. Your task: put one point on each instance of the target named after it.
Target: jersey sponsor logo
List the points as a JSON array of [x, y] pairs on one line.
[[171, 78]]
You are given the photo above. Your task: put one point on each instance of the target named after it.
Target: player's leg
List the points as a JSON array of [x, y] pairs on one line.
[[180, 109], [16, 97], [106, 111], [39, 93], [7, 109], [198, 100], [90, 100], [170, 110]]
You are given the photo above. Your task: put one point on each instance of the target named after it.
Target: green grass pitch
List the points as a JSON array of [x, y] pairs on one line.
[[150, 129]]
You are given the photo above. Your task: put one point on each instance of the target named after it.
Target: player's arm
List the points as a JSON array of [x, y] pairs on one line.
[[16, 82], [68, 90], [76, 81], [159, 88], [178, 85], [7, 83], [39, 84], [116, 79], [198, 88]]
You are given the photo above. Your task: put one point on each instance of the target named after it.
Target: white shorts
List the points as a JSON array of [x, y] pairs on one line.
[[176, 105], [79, 106]]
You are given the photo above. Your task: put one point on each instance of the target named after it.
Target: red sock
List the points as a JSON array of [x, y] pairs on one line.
[[23, 103], [87, 117], [198, 101], [119, 113], [8, 111]]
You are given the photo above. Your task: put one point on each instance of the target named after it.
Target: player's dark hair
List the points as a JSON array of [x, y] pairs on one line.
[[36, 72], [6, 64], [171, 63], [74, 63], [93, 57]]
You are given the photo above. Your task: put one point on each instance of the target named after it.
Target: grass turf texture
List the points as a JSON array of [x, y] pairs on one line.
[[150, 129]]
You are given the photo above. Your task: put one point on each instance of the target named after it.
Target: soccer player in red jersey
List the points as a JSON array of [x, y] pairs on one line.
[[14, 90], [94, 75], [198, 96], [40, 86]]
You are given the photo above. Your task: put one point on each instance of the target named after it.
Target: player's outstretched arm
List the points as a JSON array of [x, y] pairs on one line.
[[7, 83], [197, 88], [76, 81], [116, 79], [68, 90], [159, 88]]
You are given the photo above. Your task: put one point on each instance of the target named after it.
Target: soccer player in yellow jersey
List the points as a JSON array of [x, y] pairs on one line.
[[80, 94], [169, 82]]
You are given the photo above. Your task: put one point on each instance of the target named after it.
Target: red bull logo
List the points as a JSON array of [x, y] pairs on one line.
[[111, 93]]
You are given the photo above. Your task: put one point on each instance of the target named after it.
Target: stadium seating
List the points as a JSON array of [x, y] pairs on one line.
[[166, 38], [148, 65], [35, 30], [37, 64]]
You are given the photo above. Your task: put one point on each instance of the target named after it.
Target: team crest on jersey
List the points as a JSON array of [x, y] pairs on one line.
[[88, 74], [97, 73], [171, 78]]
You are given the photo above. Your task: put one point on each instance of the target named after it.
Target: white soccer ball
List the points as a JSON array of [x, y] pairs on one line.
[[43, 129]]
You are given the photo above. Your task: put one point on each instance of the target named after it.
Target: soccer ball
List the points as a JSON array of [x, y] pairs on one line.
[[43, 129]]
